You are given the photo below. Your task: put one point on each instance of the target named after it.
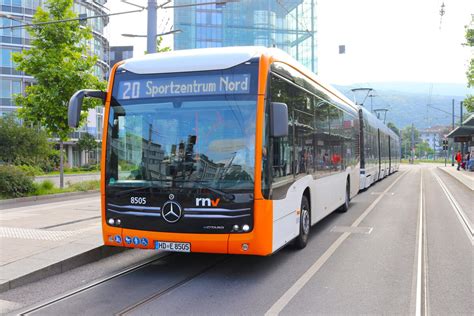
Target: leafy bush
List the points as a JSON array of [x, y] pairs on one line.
[[47, 185], [22, 144], [52, 162], [86, 185], [14, 182], [31, 170], [92, 167]]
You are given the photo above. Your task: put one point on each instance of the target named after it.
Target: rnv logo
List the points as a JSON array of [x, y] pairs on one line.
[[207, 202]]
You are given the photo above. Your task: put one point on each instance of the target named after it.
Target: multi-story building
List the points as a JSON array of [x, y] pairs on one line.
[[433, 136], [118, 53], [286, 24], [17, 12]]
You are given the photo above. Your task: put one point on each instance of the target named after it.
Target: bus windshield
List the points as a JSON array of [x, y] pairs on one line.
[[182, 142]]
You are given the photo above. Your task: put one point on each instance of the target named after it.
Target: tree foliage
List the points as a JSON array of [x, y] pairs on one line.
[[393, 128], [469, 101], [23, 145], [423, 150], [160, 49], [87, 142], [60, 63], [406, 140]]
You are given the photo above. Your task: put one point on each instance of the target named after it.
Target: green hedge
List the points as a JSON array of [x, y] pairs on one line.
[[15, 182]]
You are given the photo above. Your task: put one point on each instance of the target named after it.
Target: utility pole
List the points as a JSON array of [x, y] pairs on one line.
[[371, 96], [412, 143], [151, 27], [452, 145], [460, 124]]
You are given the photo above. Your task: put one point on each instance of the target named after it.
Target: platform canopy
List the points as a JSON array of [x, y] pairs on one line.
[[465, 132]]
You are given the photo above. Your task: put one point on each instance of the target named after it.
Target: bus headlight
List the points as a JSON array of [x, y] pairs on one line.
[[246, 228], [111, 222], [235, 228]]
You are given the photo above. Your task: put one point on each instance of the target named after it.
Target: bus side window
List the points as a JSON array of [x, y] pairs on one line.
[[323, 139], [282, 147]]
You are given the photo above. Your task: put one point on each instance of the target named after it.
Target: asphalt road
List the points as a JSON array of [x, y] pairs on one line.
[[402, 248]]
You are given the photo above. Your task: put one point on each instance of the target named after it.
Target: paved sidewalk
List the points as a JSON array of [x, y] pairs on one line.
[[41, 239], [463, 176]]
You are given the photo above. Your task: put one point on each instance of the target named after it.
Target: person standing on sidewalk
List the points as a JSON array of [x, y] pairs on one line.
[[466, 161], [458, 159]]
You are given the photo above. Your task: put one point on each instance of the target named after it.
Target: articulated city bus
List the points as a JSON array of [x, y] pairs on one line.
[[224, 150], [380, 149]]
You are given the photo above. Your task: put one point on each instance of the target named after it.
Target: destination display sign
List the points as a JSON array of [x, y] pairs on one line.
[[183, 86]]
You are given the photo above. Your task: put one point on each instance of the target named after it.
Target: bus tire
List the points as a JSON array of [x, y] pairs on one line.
[[305, 224], [347, 198]]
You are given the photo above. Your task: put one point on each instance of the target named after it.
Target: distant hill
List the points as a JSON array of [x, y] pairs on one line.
[[408, 102]]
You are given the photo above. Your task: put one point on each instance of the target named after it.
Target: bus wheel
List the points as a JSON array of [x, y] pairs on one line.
[[305, 224], [347, 199]]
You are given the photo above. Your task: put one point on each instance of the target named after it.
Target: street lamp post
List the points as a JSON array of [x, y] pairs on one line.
[[151, 27], [152, 18]]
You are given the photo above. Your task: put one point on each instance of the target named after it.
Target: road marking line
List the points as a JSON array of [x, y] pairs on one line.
[[281, 303], [425, 259], [352, 230], [419, 271], [463, 219]]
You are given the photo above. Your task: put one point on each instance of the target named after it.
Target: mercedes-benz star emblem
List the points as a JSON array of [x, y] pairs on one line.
[[171, 212]]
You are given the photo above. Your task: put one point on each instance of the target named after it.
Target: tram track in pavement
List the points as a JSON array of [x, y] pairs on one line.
[[461, 215], [159, 294], [42, 306], [92, 285]]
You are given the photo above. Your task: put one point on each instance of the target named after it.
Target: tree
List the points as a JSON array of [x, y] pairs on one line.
[[87, 143], [60, 63], [22, 145], [469, 101], [393, 128], [423, 149], [406, 140], [160, 49]]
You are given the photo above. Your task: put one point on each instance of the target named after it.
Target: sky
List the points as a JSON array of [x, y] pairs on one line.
[[386, 40]]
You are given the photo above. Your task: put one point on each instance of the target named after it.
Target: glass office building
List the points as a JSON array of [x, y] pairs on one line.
[[286, 24], [18, 39]]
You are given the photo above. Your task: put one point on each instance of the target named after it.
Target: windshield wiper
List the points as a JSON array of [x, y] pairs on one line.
[[225, 195], [149, 185]]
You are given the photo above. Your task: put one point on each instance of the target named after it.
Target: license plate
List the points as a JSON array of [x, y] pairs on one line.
[[173, 246]]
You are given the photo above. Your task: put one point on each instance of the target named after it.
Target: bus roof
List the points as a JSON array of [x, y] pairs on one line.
[[192, 60], [203, 59]]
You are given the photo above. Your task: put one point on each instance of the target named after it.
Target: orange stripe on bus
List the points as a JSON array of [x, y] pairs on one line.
[[106, 229], [260, 239]]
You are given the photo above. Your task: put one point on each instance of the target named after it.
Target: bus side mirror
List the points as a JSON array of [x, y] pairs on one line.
[[75, 105], [279, 119]]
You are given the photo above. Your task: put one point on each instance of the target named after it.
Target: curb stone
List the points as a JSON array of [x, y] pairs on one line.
[[45, 197], [73, 262], [456, 178]]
